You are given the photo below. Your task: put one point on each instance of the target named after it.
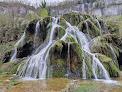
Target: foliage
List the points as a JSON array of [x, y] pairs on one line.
[[44, 6], [44, 13]]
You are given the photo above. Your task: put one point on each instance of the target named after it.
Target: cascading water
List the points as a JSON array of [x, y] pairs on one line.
[[99, 26], [114, 57], [68, 61], [105, 27], [20, 41], [76, 34], [84, 68], [36, 66], [88, 35], [36, 37]]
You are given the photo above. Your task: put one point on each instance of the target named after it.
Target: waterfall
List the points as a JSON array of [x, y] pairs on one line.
[[68, 61], [37, 29], [105, 27], [114, 57], [21, 40], [99, 26], [36, 65], [88, 35], [82, 40], [84, 68]]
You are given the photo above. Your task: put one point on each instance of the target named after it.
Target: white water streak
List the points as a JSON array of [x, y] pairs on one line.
[[21, 40]]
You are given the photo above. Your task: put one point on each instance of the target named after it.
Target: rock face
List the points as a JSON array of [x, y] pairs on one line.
[[16, 8], [66, 57], [98, 8]]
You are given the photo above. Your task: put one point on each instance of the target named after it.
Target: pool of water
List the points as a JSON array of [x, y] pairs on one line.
[[56, 84]]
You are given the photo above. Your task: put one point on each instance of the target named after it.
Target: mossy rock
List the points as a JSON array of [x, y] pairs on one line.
[[103, 43], [86, 16], [10, 66], [88, 60], [73, 18], [113, 27], [6, 52], [70, 39], [59, 32], [94, 21], [59, 55], [27, 48], [112, 39], [109, 65], [102, 48], [112, 30], [58, 71], [75, 56], [82, 27], [93, 30], [62, 22], [31, 27]]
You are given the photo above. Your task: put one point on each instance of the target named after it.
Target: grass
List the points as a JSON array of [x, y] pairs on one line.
[[15, 83], [92, 87], [3, 74], [1, 81]]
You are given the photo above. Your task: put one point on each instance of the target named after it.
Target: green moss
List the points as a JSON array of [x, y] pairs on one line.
[[10, 66], [104, 58], [86, 16], [88, 61], [14, 69], [73, 18], [63, 22], [94, 21], [91, 87], [59, 33], [58, 71], [109, 65], [3, 74], [102, 48], [70, 39], [15, 83], [94, 31], [82, 27], [114, 27], [1, 81]]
